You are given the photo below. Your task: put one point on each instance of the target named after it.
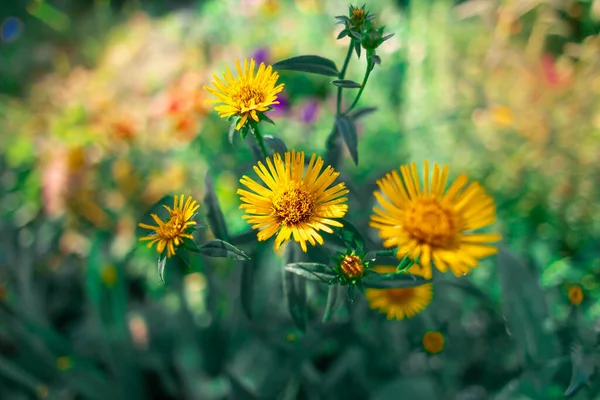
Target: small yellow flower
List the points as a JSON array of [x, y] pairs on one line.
[[246, 95], [171, 233], [575, 295], [402, 302], [295, 202], [432, 223], [433, 342], [64, 363]]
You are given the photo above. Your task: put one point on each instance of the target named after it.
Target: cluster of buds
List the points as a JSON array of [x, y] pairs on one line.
[[359, 25]]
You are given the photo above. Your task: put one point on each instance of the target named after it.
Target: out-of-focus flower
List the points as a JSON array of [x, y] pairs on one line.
[[261, 55], [433, 342], [109, 275], [575, 295], [502, 115], [434, 224], [247, 96], [308, 113], [171, 233], [400, 303], [64, 363], [295, 201]]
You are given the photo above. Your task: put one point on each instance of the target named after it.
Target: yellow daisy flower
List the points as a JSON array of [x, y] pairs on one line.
[[433, 224], [171, 233], [400, 303], [295, 201], [247, 94], [433, 342]]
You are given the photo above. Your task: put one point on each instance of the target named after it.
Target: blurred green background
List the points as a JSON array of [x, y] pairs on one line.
[[102, 113]]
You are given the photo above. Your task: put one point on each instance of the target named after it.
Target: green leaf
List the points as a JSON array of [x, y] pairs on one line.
[[231, 133], [393, 281], [263, 117], [311, 64], [14, 373], [247, 288], [294, 289], [342, 34], [334, 300], [357, 48], [525, 310], [312, 271], [162, 262], [213, 210], [276, 144], [359, 113], [350, 235], [582, 368], [220, 248], [351, 294], [346, 83], [346, 127]]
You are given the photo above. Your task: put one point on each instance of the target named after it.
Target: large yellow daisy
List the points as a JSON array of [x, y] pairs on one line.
[[432, 223], [402, 302], [246, 95], [170, 234], [297, 200]]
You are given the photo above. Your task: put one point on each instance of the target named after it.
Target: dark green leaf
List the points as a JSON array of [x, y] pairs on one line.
[[14, 373], [162, 262], [247, 288], [359, 113], [386, 37], [346, 83], [312, 271], [357, 48], [263, 117], [342, 34], [276, 144], [294, 289], [355, 34], [334, 300], [525, 309], [220, 248], [376, 60], [350, 294], [213, 210], [346, 127], [342, 18], [393, 281], [311, 64], [350, 235], [582, 368]]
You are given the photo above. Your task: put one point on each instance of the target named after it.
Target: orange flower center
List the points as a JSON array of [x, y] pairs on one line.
[[433, 342], [174, 227], [293, 205], [352, 266], [246, 95], [400, 296], [431, 222], [575, 295]]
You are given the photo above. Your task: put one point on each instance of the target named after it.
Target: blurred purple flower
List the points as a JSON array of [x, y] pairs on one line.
[[308, 113], [261, 55], [11, 29], [281, 108]]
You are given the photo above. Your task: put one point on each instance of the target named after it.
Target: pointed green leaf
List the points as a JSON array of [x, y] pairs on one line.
[[213, 210], [276, 144], [162, 262], [311, 64], [312, 271], [357, 48], [294, 289], [582, 368], [335, 298], [350, 235], [263, 117], [393, 281], [346, 127], [220, 248], [359, 113], [525, 309], [247, 288], [346, 83], [232, 130], [342, 34]]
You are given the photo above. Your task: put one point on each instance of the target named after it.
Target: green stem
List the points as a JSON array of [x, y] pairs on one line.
[[362, 87], [259, 140], [342, 75]]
